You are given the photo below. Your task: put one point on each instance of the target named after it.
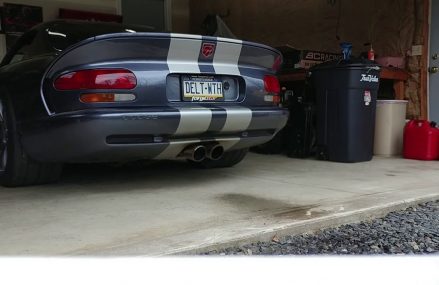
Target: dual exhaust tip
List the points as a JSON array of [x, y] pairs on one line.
[[200, 152]]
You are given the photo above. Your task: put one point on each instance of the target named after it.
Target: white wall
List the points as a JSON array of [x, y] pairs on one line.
[[51, 9]]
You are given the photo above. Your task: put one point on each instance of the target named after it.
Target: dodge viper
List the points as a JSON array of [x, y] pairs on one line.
[[78, 92]]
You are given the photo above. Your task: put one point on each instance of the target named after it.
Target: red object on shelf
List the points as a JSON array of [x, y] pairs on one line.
[[371, 54], [421, 140]]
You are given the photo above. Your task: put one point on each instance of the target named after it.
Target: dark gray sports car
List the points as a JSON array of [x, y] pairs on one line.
[[93, 92]]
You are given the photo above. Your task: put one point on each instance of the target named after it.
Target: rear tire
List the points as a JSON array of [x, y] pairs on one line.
[[228, 159], [16, 167]]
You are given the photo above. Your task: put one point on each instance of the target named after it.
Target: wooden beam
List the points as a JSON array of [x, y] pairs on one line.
[[394, 73], [423, 92]]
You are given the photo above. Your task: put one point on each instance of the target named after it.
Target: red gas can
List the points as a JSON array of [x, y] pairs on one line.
[[421, 140]]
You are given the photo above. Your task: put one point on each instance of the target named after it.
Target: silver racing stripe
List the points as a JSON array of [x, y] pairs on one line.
[[229, 40], [238, 119], [175, 148], [194, 120], [183, 54], [225, 60], [185, 36]]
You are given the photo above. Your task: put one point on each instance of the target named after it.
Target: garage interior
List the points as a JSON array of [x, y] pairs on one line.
[[160, 208]]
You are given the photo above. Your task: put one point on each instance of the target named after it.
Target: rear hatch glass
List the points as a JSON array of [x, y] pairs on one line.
[[64, 34]]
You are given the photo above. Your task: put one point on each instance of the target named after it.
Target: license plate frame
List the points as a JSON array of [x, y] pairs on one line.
[[202, 88]]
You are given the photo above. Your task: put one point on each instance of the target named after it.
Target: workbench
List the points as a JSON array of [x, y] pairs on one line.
[[398, 75]]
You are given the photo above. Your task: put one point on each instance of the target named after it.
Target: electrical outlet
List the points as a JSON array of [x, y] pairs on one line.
[[417, 50]]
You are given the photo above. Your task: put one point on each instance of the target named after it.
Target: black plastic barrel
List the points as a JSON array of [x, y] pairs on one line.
[[346, 95]]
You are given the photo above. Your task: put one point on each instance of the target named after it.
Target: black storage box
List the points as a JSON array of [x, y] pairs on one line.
[[346, 94]]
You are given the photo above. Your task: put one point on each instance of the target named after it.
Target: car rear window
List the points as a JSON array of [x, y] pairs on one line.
[[62, 35], [54, 37]]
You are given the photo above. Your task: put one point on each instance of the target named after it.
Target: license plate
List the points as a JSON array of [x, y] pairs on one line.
[[202, 88]]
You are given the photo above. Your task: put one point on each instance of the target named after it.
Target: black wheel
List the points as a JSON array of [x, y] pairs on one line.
[[16, 167], [228, 159]]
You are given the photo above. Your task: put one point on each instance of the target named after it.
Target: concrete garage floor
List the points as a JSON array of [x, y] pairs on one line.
[[168, 207]]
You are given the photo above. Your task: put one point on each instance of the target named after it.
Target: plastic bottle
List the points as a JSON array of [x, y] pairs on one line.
[[371, 54]]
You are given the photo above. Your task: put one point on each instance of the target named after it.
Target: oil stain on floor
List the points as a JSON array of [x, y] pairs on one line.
[[274, 207]]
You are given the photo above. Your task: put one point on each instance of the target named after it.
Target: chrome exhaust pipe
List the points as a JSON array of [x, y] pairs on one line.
[[215, 152], [195, 153]]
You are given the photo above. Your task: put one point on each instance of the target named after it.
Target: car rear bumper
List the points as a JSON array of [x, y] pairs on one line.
[[105, 135]]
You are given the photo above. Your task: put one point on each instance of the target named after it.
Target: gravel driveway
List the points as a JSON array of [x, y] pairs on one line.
[[411, 231]]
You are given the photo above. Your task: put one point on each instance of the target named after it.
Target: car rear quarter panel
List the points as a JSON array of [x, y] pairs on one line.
[[22, 83]]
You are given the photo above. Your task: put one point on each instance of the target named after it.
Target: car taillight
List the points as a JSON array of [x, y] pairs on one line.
[[271, 84], [277, 63], [96, 79], [272, 87]]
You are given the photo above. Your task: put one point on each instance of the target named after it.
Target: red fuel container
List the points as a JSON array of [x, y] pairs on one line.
[[421, 140]]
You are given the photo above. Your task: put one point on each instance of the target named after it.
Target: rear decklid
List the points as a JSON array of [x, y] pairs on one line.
[[161, 64]]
